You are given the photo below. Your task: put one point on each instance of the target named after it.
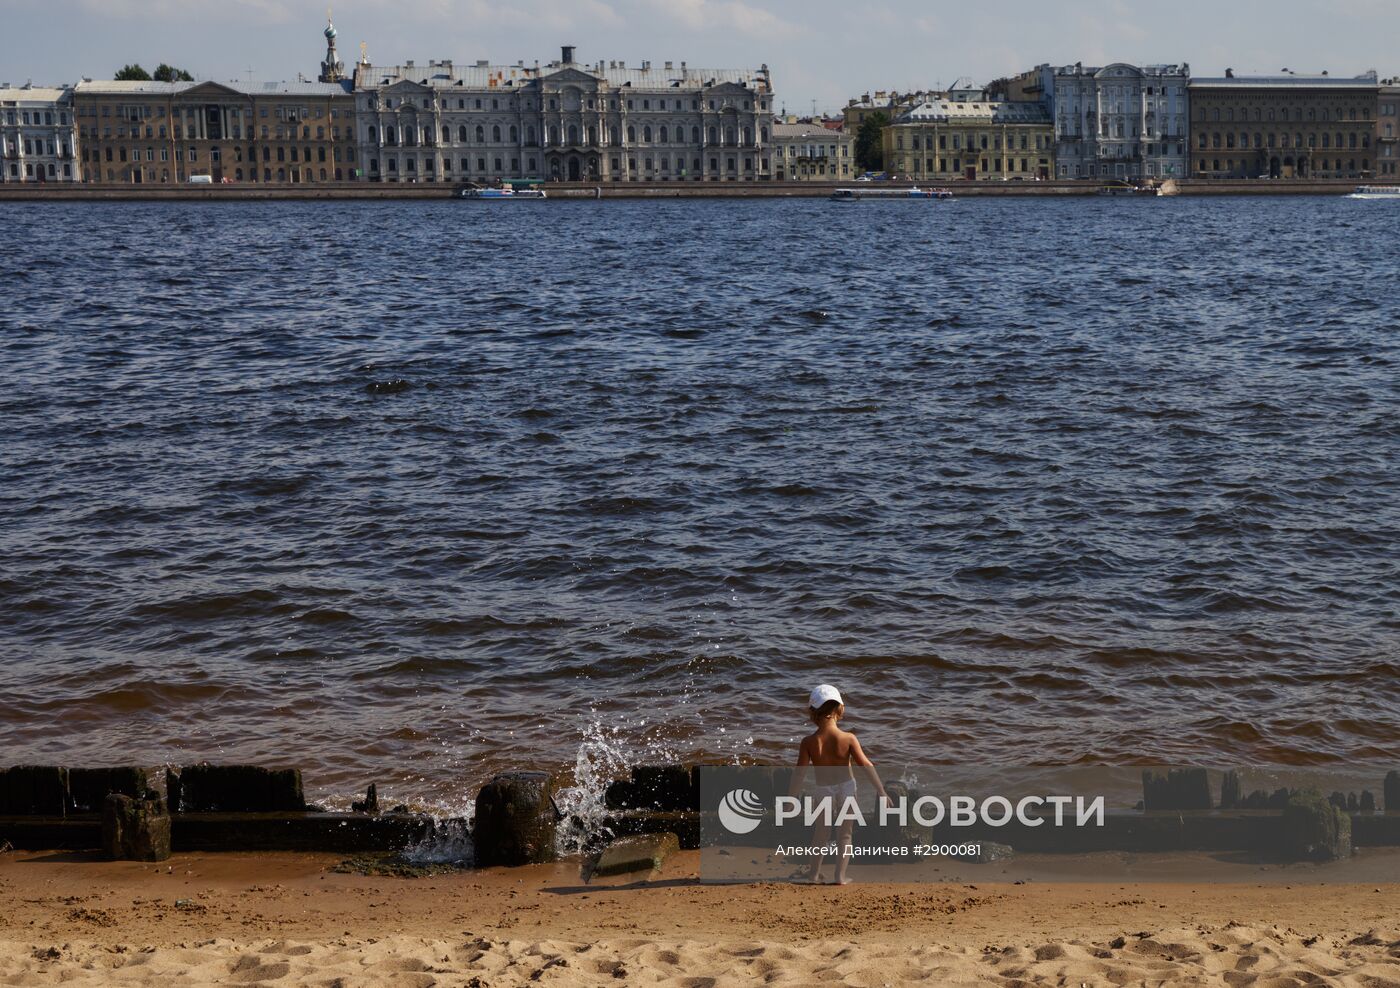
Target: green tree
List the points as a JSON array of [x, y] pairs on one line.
[[133, 73], [169, 73], [870, 147]]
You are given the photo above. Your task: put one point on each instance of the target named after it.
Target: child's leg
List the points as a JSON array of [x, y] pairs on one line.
[[821, 833], [843, 852]]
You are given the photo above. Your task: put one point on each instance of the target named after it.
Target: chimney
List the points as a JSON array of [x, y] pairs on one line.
[[1229, 74], [568, 55]]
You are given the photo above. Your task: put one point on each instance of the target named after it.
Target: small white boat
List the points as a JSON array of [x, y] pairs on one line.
[[853, 195], [503, 193], [1376, 192]]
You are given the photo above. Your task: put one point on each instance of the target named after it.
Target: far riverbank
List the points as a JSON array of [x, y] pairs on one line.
[[629, 190]]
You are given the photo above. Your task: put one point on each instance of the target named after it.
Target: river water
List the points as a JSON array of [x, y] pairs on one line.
[[410, 492]]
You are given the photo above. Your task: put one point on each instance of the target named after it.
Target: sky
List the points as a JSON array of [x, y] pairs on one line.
[[820, 52]]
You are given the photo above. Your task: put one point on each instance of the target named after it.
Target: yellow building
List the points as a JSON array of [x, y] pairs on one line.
[[971, 139]]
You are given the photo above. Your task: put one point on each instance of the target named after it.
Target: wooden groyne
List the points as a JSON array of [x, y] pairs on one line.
[[148, 813]]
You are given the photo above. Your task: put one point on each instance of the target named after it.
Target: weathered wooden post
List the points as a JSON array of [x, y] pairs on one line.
[[135, 829], [516, 820]]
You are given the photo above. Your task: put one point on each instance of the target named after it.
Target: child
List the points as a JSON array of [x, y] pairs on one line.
[[832, 751]]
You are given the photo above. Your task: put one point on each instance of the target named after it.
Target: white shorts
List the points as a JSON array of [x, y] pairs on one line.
[[841, 791]]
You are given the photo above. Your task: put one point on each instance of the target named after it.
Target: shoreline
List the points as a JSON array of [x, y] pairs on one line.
[[291, 918], [10, 192]]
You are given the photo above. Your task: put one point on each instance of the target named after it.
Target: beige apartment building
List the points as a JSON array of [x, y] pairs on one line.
[[811, 152]]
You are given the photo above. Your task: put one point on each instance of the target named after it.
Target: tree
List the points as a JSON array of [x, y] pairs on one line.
[[133, 73], [168, 73], [870, 147]]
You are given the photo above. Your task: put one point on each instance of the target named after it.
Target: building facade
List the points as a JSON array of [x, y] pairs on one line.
[[1388, 130], [564, 121], [165, 133], [36, 135], [810, 152], [891, 104], [1284, 126], [1117, 121], [946, 139]]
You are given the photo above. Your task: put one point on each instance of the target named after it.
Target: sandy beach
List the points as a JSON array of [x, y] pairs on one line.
[[289, 919]]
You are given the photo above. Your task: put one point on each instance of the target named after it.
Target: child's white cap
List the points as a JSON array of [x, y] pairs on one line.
[[823, 695]]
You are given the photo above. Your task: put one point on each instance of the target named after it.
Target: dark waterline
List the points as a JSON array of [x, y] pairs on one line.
[[407, 492]]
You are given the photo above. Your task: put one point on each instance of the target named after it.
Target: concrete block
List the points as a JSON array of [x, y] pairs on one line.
[[635, 854], [516, 820], [208, 788], [135, 829], [34, 789]]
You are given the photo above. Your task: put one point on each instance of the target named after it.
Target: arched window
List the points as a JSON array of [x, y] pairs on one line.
[[496, 134], [695, 136], [480, 134], [323, 174], [462, 134], [664, 137], [748, 136], [573, 134], [631, 134], [530, 135], [646, 134], [320, 133], [446, 135], [373, 134], [714, 135], [764, 132], [389, 136], [514, 134]]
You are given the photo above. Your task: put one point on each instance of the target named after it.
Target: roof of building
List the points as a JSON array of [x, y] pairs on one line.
[[143, 88], [803, 130], [37, 94], [1080, 69], [445, 74], [1288, 80], [988, 111]]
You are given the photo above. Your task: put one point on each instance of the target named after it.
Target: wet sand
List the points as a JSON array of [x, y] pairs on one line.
[[287, 919]]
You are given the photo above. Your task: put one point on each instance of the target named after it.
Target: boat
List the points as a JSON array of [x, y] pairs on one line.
[[507, 192], [853, 195], [1376, 192]]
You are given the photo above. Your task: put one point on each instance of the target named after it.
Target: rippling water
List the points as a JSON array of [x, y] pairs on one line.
[[408, 492]]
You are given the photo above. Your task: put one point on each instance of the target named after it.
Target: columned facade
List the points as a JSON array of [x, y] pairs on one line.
[[562, 122], [37, 135], [1119, 121]]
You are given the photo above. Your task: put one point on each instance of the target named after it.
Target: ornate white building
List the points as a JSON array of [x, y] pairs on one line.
[[563, 121], [1119, 121], [36, 135]]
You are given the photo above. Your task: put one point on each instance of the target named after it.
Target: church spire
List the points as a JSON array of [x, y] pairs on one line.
[[332, 69]]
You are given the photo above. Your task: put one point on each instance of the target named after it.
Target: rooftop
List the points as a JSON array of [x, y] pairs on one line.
[[481, 75], [119, 87], [989, 111], [803, 130], [1288, 80], [37, 94]]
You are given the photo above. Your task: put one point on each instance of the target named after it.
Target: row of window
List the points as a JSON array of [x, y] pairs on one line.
[[1272, 140], [39, 172], [574, 102], [150, 176], [980, 141], [34, 119], [412, 167], [1248, 167], [410, 137], [283, 153], [235, 132], [993, 165], [1261, 115], [11, 147], [144, 111]]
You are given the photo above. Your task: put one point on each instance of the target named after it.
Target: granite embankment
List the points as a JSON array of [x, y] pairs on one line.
[[649, 190]]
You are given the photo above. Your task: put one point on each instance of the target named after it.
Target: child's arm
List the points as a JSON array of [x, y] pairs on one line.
[[858, 758], [799, 774]]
